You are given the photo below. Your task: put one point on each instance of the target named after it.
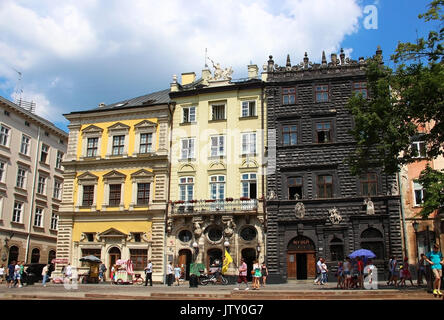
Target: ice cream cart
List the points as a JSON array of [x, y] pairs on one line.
[[125, 274]]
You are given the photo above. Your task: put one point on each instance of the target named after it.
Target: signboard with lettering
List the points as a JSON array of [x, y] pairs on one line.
[[60, 261], [301, 243]]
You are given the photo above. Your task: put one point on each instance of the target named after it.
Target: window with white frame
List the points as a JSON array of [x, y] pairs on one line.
[[21, 178], [2, 171], [217, 187], [248, 108], [249, 185], [249, 143], [17, 212], [41, 184], [24, 147], [59, 159], [54, 221], [189, 114], [115, 192], [217, 146], [44, 153], [186, 188], [38, 217], [146, 143], [187, 151], [88, 195], [143, 193], [92, 147], [418, 193], [418, 149], [218, 112], [57, 190], [4, 135], [118, 145]]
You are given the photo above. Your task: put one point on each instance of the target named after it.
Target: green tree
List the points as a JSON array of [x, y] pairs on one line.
[[402, 101]]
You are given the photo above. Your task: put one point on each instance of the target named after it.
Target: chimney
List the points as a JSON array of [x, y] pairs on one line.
[[188, 78], [102, 104], [253, 71]]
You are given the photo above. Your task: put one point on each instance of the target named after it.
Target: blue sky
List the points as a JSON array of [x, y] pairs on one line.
[[74, 54]]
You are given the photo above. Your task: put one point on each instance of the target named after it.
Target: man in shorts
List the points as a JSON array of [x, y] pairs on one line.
[[435, 259], [242, 275], [347, 273]]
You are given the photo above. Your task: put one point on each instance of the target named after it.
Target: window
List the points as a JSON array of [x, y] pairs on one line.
[[2, 171], [248, 233], [337, 250], [186, 188], [92, 145], [288, 95], [88, 195], [214, 234], [295, 189], [325, 186], [90, 236], [372, 239], [137, 237], [38, 218], [418, 193], [187, 151], [217, 187], [54, 221], [217, 146], [290, 135], [146, 143], [218, 112], [21, 177], [41, 184], [189, 114], [44, 154], [139, 257], [360, 87], [248, 108], [323, 132], [249, 143], [35, 255], [418, 149], [143, 193], [59, 160], [185, 236], [321, 93], [4, 135], [118, 145], [114, 194], [17, 213], [369, 184], [249, 185], [27, 124], [24, 148], [57, 190]]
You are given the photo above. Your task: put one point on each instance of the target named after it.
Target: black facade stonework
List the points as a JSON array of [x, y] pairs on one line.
[[308, 159]]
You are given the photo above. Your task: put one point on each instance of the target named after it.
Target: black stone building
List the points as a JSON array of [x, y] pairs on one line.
[[315, 207]]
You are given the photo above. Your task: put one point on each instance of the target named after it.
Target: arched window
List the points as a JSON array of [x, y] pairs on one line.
[[372, 239], [248, 233], [13, 254], [35, 255], [185, 235], [336, 249]]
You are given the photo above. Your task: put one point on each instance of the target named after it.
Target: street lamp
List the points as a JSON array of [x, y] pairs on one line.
[[227, 245], [196, 249]]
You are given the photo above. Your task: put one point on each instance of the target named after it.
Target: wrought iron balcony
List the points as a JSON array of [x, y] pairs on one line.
[[215, 206]]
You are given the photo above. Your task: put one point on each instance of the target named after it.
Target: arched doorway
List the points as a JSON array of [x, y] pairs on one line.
[[51, 256], [185, 257], [35, 255], [373, 240], [249, 255], [301, 261], [114, 255], [13, 254], [213, 254]]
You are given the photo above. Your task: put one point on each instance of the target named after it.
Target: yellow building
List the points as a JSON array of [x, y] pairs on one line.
[[217, 174], [116, 184]]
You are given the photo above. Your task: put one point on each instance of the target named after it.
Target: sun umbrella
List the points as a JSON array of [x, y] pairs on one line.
[[362, 253], [91, 258]]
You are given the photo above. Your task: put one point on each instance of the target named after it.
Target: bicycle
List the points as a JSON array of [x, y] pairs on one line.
[[138, 279], [205, 279]]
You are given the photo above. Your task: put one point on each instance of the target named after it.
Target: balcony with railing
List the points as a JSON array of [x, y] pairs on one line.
[[243, 205]]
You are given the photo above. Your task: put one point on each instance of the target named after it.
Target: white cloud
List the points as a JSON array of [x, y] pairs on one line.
[[140, 43]]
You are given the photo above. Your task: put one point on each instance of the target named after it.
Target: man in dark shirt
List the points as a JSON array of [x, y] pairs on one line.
[[11, 271]]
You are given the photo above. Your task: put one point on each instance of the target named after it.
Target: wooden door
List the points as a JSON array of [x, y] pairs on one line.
[[291, 265], [311, 265]]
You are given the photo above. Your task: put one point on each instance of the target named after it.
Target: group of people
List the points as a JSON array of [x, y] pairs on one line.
[[173, 271], [351, 273], [14, 273], [259, 271]]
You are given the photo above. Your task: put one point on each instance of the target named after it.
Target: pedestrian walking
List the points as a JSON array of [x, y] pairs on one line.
[[405, 273], [2, 273], [264, 271], [318, 271], [17, 275], [177, 273], [68, 273], [434, 258], [170, 270], [347, 273], [45, 274], [102, 272], [421, 269], [370, 269], [340, 275], [242, 278], [11, 272], [256, 272], [393, 271], [324, 270], [360, 265], [149, 273]]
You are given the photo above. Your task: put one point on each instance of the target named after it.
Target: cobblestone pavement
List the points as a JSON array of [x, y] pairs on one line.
[[289, 291]]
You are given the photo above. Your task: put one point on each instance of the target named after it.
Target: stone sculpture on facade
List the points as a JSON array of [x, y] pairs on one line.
[[229, 228], [370, 206], [220, 73], [197, 230], [299, 210], [335, 217]]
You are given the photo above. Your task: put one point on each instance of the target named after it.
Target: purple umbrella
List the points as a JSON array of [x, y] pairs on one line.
[[362, 253]]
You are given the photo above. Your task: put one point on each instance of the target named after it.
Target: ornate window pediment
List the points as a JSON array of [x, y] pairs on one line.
[[142, 174], [87, 177], [114, 175], [92, 129], [112, 233], [145, 124], [118, 127]]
